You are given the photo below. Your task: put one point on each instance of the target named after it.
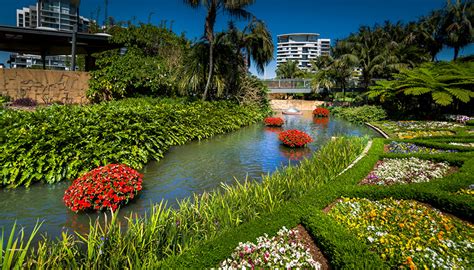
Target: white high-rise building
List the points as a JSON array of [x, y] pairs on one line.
[[55, 14], [60, 15], [301, 47]]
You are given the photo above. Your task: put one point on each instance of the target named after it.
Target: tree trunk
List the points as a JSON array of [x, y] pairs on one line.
[[211, 68], [456, 52], [209, 33]]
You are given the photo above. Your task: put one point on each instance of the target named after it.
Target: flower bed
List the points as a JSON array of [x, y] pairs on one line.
[[285, 250], [321, 112], [423, 133], [408, 233], [294, 138], [103, 188], [405, 148], [419, 125], [405, 170], [273, 121]]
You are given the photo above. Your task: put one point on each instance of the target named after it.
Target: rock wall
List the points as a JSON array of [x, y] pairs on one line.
[[45, 86], [280, 104]]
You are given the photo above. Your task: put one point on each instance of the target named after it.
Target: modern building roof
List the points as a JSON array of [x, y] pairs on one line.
[[51, 42], [298, 34]]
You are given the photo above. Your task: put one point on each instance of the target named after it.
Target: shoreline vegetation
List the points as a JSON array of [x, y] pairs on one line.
[[167, 232], [61, 142]]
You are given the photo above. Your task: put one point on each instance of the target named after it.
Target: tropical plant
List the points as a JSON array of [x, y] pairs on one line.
[[443, 82], [456, 25], [62, 142], [103, 188], [233, 8]]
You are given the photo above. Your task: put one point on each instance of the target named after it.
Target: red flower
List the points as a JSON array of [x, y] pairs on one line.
[[294, 138], [104, 187], [273, 121], [321, 112]]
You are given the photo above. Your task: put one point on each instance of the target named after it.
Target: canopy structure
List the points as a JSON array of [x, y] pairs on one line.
[[46, 42]]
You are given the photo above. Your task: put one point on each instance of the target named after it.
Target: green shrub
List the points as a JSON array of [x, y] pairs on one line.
[[470, 122], [361, 114], [61, 142]]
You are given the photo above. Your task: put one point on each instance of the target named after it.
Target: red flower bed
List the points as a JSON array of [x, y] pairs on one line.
[[294, 138], [273, 121], [321, 112], [103, 188]]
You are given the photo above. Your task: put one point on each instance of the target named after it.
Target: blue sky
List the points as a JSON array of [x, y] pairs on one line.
[[334, 19]]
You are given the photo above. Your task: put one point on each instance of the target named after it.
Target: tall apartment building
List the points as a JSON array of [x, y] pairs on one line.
[[60, 15], [301, 47], [56, 14]]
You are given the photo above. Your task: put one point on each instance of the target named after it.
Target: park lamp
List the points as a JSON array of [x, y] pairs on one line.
[[76, 4]]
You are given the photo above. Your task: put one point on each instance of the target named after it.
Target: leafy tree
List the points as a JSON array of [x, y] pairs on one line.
[[146, 66], [235, 8]]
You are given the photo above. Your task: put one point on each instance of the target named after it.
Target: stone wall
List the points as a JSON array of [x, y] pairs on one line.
[[45, 86], [284, 104]]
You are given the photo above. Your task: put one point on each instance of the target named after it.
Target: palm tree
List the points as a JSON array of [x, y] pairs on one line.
[[456, 25], [254, 42], [288, 70], [428, 31], [258, 44], [235, 8]]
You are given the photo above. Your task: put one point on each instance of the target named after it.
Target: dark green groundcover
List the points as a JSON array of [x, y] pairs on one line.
[[61, 142]]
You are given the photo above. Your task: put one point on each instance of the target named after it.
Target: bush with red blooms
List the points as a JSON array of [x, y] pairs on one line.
[[273, 121], [321, 112], [294, 138], [103, 188]]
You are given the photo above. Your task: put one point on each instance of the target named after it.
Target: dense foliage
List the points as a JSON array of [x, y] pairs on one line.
[[103, 188], [146, 65], [273, 121], [360, 114], [294, 138], [61, 142]]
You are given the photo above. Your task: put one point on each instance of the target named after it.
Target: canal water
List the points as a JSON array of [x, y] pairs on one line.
[[191, 168]]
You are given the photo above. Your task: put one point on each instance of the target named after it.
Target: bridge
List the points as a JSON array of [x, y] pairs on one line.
[[288, 86]]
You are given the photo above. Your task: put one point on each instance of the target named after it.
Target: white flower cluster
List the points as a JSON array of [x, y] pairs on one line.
[[462, 144], [282, 251], [406, 170], [420, 125]]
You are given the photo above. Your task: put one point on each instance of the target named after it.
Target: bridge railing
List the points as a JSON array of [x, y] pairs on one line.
[[288, 83]]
